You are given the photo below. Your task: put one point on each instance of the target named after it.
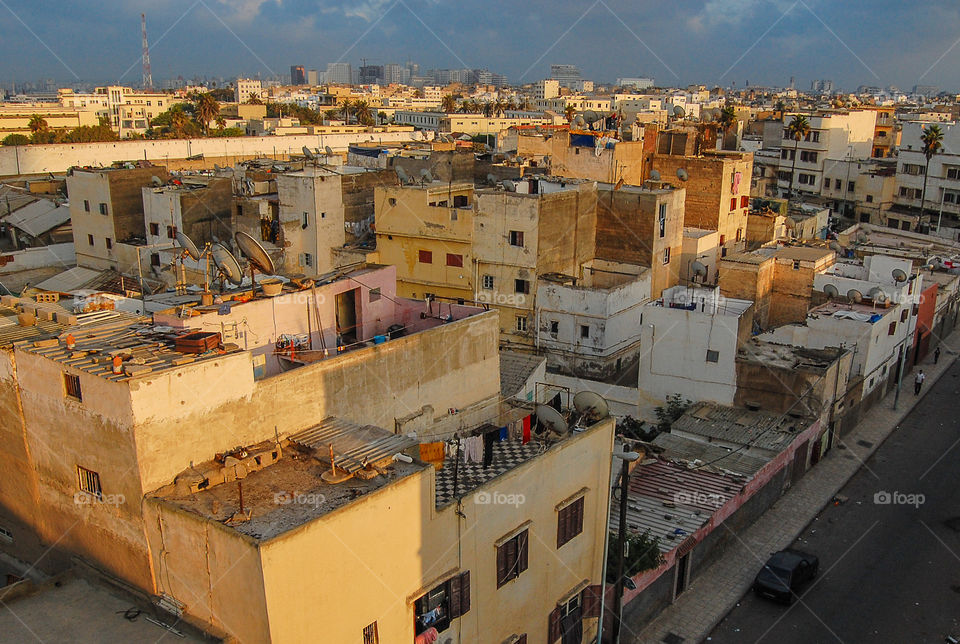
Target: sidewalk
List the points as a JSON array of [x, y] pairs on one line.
[[716, 590]]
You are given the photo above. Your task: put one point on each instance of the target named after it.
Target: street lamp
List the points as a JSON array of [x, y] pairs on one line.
[[627, 458]]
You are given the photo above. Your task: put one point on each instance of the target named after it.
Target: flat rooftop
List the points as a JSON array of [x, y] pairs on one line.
[[740, 426], [802, 253], [838, 309], [786, 356]]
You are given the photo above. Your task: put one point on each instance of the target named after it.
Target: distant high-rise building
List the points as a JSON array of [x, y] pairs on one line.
[[297, 75], [394, 73], [313, 77], [371, 74], [926, 90], [635, 83], [568, 75], [247, 88], [339, 73], [822, 86]]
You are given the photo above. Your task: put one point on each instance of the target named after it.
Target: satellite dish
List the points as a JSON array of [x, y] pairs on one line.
[[216, 168], [328, 150], [402, 174], [697, 268], [492, 179], [682, 174], [899, 275], [579, 122], [552, 419], [936, 261], [227, 264], [187, 244], [155, 180], [679, 112], [877, 294], [591, 405], [655, 175], [862, 237], [854, 295], [307, 153], [831, 291], [509, 186], [254, 252], [425, 174]]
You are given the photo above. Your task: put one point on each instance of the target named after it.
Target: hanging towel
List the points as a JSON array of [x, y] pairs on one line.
[[503, 433], [433, 453], [516, 430], [526, 430], [488, 439]]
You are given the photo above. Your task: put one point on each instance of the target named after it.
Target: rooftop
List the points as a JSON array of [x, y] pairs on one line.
[[712, 458], [701, 300], [515, 369], [786, 356], [746, 258], [739, 426], [850, 310], [802, 253]]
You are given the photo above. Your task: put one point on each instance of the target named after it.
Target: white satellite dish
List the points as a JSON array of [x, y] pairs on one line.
[[509, 186], [402, 174], [854, 295], [899, 275], [830, 291], [682, 174], [427, 177], [697, 268], [227, 264], [655, 175], [155, 180], [877, 294], [328, 150], [187, 244], [591, 406], [552, 419]]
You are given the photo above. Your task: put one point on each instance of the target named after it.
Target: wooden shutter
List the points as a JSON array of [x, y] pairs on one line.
[[553, 632], [503, 562], [562, 526], [523, 541], [464, 592], [455, 596], [590, 600], [577, 527], [522, 639]]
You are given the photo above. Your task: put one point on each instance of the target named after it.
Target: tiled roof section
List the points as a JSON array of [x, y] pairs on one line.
[[708, 457], [740, 426], [515, 369], [101, 336], [354, 446]]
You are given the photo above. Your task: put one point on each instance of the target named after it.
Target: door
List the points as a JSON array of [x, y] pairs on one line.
[[799, 462], [347, 317], [683, 574]]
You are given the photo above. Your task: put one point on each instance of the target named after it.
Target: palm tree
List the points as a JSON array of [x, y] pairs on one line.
[[361, 111], [798, 128], [569, 111], [382, 117], [178, 121], [499, 107], [221, 122], [207, 109], [37, 124], [487, 108], [727, 118], [932, 139], [346, 107], [253, 100], [448, 104]]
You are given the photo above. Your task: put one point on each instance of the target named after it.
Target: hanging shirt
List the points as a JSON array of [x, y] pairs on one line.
[[526, 430]]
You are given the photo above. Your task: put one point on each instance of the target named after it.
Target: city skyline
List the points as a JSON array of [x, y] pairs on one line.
[[720, 43]]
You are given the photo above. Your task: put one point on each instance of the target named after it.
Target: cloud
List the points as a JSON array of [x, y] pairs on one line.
[[729, 12]]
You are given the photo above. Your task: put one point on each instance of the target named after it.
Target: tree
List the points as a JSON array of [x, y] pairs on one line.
[[206, 109], [224, 94], [221, 122], [16, 139], [346, 107], [382, 117], [643, 553], [797, 129], [37, 124], [253, 100], [673, 409], [569, 111], [932, 139], [448, 104]]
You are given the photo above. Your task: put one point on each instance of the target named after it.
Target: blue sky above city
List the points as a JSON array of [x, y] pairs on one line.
[[881, 42]]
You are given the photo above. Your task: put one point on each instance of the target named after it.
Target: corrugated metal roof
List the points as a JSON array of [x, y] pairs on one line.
[[353, 445], [671, 524], [69, 280], [515, 369], [696, 453], [39, 217], [740, 426]]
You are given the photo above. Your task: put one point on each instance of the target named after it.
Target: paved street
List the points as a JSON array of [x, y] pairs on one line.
[[889, 572]]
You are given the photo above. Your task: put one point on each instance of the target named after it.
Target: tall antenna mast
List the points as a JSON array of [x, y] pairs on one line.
[[147, 76]]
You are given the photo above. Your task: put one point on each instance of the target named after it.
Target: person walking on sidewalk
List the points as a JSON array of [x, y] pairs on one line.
[[936, 355], [918, 383]]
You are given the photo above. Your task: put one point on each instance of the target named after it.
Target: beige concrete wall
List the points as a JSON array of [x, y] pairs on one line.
[[319, 199]]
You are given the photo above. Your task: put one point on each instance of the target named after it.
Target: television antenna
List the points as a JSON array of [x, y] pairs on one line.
[[257, 257]]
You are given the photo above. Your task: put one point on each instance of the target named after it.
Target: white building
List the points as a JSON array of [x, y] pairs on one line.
[[636, 83], [246, 89], [690, 338], [833, 135], [547, 88], [943, 175]]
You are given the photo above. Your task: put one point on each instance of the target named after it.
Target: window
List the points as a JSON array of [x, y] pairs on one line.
[[454, 260], [521, 286], [521, 323], [569, 522], [893, 328], [370, 634], [851, 186], [89, 482], [713, 356], [953, 173], [426, 257], [374, 294], [516, 238], [903, 315], [449, 600], [796, 264], [733, 203], [837, 184], [154, 229], [303, 221], [511, 558], [739, 234], [554, 328], [86, 205], [662, 220], [666, 255], [323, 215], [308, 259], [171, 232], [869, 198], [6, 535], [808, 156], [744, 201], [460, 201], [584, 330], [109, 243], [154, 259], [71, 386], [90, 240], [488, 282], [103, 208], [566, 621]]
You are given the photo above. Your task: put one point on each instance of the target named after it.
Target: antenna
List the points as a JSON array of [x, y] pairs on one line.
[[899, 275], [682, 174], [854, 295], [155, 180], [227, 265], [655, 175], [147, 75], [591, 406], [830, 291], [257, 257], [552, 420]]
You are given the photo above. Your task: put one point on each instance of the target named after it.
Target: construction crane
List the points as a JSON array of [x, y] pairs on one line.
[[147, 75]]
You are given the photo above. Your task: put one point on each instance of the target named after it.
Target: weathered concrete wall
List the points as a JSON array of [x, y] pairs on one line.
[[749, 280], [60, 255]]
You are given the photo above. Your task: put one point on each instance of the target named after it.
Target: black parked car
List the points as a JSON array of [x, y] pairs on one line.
[[784, 574]]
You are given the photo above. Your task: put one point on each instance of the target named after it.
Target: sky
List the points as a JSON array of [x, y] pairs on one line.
[[678, 42]]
